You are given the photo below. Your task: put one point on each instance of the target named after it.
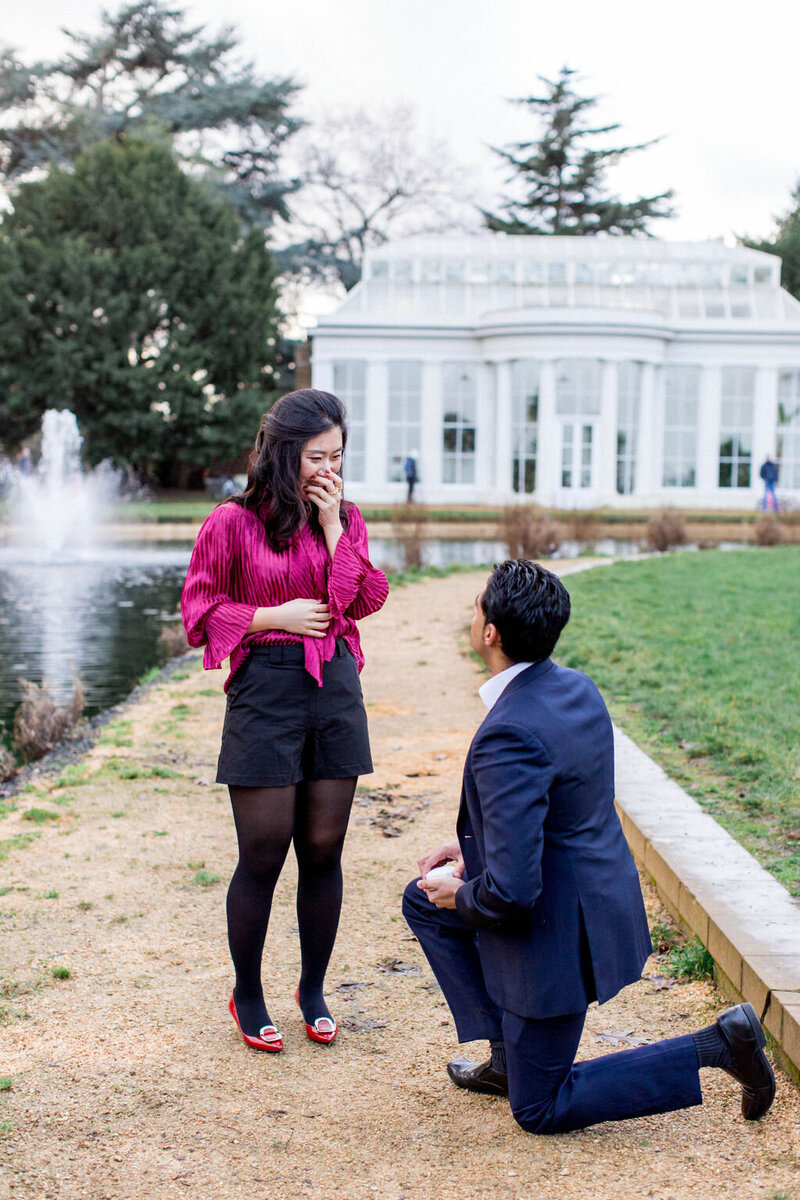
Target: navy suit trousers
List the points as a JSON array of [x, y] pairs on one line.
[[548, 1091]]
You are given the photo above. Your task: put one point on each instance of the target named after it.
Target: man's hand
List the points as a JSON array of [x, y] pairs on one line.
[[449, 852], [441, 892]]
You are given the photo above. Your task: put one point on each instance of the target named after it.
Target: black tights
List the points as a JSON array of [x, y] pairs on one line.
[[313, 814]]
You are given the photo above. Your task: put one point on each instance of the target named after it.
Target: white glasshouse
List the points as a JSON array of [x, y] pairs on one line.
[[573, 372]]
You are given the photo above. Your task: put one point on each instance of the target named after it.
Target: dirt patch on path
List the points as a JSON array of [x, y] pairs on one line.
[[128, 1079]]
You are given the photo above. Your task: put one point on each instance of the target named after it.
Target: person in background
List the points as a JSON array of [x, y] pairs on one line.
[[278, 579], [410, 472], [769, 473]]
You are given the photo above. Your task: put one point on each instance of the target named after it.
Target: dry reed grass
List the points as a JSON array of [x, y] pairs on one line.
[[409, 524], [768, 530], [666, 529], [40, 723], [529, 532]]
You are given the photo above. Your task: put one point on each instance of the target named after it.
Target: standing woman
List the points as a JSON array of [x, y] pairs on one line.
[[278, 578]]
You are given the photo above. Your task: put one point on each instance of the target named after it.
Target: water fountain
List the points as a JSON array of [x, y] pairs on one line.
[[54, 509], [71, 601]]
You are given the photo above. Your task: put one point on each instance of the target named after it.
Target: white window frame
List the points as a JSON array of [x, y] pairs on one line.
[[459, 422], [579, 383], [629, 402], [404, 414], [681, 413], [525, 390], [788, 428], [350, 385], [737, 415]]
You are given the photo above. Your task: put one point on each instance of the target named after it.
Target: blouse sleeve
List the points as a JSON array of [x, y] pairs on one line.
[[210, 615], [355, 587]]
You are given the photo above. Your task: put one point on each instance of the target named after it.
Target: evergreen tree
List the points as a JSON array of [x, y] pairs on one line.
[[564, 178], [132, 297], [786, 244], [145, 74]]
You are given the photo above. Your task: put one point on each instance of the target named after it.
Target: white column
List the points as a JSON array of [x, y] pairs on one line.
[[548, 466], [503, 436], [606, 468], [485, 430], [322, 373], [647, 468], [377, 411], [708, 424], [430, 469]]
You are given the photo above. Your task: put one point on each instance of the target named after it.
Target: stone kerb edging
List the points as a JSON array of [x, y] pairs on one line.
[[718, 892]]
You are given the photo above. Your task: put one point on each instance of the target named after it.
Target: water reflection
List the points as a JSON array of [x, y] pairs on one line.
[[99, 616], [100, 613], [474, 552]]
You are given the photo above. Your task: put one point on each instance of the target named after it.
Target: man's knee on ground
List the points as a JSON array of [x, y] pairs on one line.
[[535, 1118]]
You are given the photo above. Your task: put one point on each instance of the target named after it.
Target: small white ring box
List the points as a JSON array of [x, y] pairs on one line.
[[447, 870]]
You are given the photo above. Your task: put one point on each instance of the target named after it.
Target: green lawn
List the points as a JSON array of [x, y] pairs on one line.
[[698, 658]]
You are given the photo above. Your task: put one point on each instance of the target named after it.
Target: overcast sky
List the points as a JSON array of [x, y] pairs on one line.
[[718, 82]]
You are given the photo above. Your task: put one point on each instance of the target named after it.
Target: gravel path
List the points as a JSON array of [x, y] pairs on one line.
[[128, 1078]]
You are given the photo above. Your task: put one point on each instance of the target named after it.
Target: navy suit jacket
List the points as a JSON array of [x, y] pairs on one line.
[[552, 888]]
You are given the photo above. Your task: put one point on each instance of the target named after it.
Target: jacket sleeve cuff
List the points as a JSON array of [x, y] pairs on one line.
[[223, 629], [348, 570]]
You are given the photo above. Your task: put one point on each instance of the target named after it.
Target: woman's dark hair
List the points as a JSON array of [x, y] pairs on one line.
[[274, 467], [529, 606]]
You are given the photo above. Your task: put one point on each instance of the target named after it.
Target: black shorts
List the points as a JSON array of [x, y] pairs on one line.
[[282, 727]]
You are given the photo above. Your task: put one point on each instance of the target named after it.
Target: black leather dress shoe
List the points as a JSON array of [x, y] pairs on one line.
[[477, 1077], [742, 1031]]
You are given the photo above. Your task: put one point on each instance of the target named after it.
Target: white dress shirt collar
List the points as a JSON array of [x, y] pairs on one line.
[[491, 691]]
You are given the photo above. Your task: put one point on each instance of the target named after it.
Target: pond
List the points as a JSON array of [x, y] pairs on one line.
[[99, 616]]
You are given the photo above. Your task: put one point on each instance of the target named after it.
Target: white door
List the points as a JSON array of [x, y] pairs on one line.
[[576, 469]]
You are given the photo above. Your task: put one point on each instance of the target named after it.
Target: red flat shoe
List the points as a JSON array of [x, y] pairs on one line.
[[268, 1037], [324, 1029]]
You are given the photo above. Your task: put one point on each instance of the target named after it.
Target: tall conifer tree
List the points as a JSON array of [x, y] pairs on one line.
[[786, 244], [134, 299], [148, 73], [562, 176]]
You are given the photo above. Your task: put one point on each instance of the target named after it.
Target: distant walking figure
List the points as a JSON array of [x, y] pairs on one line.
[[278, 578], [410, 472], [769, 473]]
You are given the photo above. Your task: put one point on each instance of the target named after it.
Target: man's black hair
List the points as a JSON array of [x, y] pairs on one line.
[[528, 605]]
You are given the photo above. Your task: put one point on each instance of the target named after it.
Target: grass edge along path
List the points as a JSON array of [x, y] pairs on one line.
[[698, 659]]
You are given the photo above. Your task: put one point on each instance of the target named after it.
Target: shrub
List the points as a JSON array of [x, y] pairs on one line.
[[40, 723], [768, 530], [665, 530], [8, 767], [529, 532], [409, 527], [583, 525], [172, 640]]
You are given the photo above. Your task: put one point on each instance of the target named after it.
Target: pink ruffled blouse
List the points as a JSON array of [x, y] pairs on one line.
[[233, 571]]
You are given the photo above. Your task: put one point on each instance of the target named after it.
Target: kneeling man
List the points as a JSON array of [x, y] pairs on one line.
[[541, 912]]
